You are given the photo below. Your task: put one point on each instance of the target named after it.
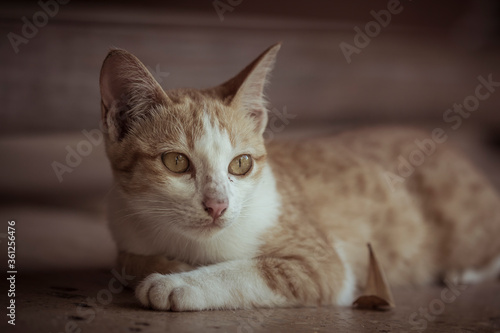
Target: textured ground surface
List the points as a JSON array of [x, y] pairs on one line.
[[84, 301]]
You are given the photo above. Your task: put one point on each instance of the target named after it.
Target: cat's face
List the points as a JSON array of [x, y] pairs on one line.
[[191, 165], [188, 160]]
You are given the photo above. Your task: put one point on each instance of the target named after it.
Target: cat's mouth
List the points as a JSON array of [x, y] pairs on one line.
[[212, 225]]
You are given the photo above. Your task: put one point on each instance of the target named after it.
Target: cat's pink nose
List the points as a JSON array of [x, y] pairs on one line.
[[214, 207]]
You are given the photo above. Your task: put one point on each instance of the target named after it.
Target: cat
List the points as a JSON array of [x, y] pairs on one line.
[[209, 216]]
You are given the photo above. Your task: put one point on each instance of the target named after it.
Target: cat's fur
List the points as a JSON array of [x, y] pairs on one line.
[[296, 226]]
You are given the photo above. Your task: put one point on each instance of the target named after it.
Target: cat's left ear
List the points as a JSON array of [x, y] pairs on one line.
[[128, 92], [246, 90]]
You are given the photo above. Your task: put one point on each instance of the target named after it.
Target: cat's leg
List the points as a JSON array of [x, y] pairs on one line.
[[262, 282], [141, 266]]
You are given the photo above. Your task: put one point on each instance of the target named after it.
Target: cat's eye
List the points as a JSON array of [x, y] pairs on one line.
[[240, 165], [175, 162]]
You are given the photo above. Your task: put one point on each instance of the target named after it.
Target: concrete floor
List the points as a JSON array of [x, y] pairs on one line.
[[81, 301]]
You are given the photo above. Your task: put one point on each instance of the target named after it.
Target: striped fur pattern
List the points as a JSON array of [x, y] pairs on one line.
[[295, 226]]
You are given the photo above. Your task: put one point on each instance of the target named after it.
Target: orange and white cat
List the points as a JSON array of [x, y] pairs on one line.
[[210, 217]]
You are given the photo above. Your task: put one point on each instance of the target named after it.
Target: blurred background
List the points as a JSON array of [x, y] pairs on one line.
[[342, 65]]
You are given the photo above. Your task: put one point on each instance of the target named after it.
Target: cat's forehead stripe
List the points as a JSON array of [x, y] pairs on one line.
[[207, 116], [213, 140], [195, 117]]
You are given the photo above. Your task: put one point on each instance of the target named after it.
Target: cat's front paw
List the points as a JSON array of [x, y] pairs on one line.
[[169, 292]]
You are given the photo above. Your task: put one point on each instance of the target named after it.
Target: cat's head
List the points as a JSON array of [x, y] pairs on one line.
[[186, 159]]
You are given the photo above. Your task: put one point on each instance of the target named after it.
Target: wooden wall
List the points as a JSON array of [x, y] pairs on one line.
[[426, 59]]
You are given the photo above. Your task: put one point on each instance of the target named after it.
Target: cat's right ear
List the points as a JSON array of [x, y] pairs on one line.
[[246, 90], [128, 92]]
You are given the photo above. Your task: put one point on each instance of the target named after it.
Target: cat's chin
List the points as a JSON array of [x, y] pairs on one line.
[[209, 227]]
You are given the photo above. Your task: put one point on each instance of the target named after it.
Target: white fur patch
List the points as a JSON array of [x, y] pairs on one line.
[[346, 295], [162, 222], [472, 276], [229, 285]]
